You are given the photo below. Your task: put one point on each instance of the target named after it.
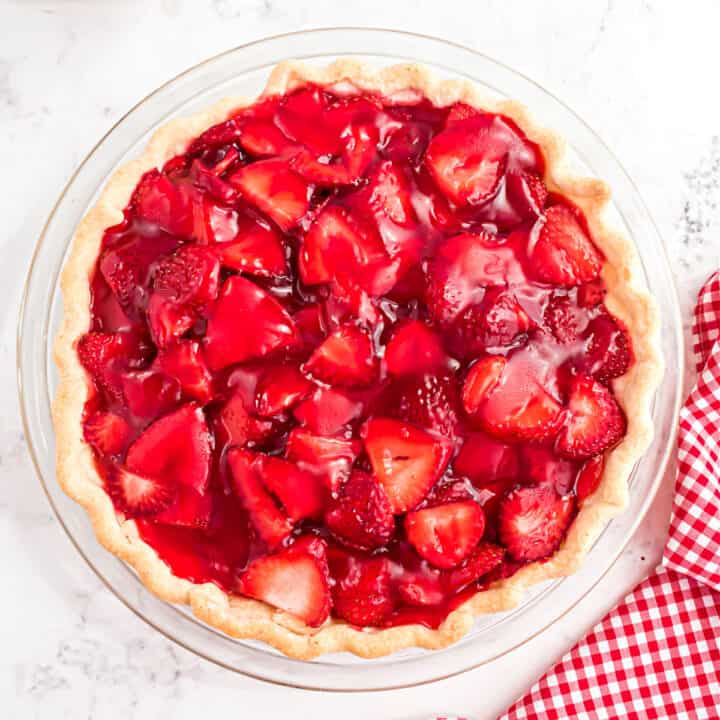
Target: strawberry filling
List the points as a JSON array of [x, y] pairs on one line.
[[351, 358]]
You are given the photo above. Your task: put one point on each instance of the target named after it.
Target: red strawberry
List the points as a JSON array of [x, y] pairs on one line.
[[591, 293], [270, 523], [326, 174], [526, 193], [149, 394], [328, 457], [461, 111], [275, 189], [294, 580], [279, 388], [484, 558], [389, 195], [239, 426], [159, 201], [609, 352], [561, 251], [481, 379], [301, 493], [565, 321], [503, 319], [363, 589], [262, 138], [485, 460], [361, 516], [543, 467], [406, 460], [594, 422], [175, 448], [532, 521], [310, 325], [189, 509], [419, 584], [327, 411], [414, 349], [344, 358], [183, 360], [446, 534], [208, 180], [258, 250], [463, 267], [137, 495], [107, 432], [303, 116], [428, 401], [246, 322], [588, 479]]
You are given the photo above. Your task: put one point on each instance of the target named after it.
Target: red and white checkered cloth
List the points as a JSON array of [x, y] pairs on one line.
[[657, 655]]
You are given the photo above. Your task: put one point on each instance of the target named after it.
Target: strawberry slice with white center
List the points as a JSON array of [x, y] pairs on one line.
[[280, 388], [260, 137], [328, 457], [176, 448], [301, 493], [107, 432], [532, 521], [189, 509], [344, 358], [256, 250], [560, 250], [271, 524], [327, 411], [406, 460], [138, 495], [246, 322], [275, 189], [414, 349], [295, 580], [446, 534], [594, 421], [183, 360]]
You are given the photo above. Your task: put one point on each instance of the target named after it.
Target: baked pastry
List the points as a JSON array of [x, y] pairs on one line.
[[344, 367]]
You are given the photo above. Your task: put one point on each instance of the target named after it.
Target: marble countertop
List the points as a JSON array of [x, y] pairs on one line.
[[636, 70]]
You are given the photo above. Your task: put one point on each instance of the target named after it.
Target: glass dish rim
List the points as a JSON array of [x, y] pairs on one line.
[[43, 237]]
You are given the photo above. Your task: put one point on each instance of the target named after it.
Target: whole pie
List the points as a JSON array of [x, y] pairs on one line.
[[344, 367]]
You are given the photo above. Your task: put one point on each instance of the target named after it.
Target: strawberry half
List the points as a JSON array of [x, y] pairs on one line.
[[414, 349], [107, 432], [280, 388], [238, 425], [362, 591], [481, 379], [594, 421], [258, 250], [261, 138], [446, 534], [270, 523], [137, 495], [532, 521], [245, 322], [406, 460], [157, 200], [564, 320], [561, 252], [183, 360], [609, 353], [295, 580], [327, 411], [542, 467], [301, 493], [275, 189], [589, 477], [484, 558], [361, 516], [483, 459], [344, 358]]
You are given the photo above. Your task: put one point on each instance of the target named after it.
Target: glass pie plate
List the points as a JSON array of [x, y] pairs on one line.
[[243, 72]]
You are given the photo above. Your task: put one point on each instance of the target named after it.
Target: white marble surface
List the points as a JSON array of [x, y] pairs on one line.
[[641, 72]]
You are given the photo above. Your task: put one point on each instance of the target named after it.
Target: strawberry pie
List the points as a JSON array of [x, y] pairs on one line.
[[346, 366]]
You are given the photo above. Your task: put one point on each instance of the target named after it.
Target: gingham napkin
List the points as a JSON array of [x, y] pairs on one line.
[[657, 655]]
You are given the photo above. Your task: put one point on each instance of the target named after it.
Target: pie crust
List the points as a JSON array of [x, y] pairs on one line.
[[627, 298]]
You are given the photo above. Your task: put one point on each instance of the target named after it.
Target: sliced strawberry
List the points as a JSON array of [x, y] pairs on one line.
[[258, 250], [333, 174], [484, 558], [327, 411], [189, 509], [361, 516], [497, 321], [175, 448], [107, 432], [344, 358], [275, 189], [238, 424], [428, 401], [217, 220], [280, 388], [561, 251], [609, 352], [302, 493], [543, 467], [246, 322], [414, 349], [294, 580], [484, 459], [310, 325], [138, 495], [406, 460], [157, 200], [565, 321], [419, 584], [270, 523], [446, 534], [183, 360], [262, 138], [591, 293], [389, 196], [532, 521], [302, 116], [589, 477], [150, 394], [363, 589], [328, 457], [482, 378], [594, 421], [463, 267], [527, 194]]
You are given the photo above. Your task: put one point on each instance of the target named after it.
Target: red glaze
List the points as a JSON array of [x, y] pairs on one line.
[[353, 290]]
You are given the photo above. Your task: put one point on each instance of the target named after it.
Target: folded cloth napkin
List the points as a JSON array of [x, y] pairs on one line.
[[657, 654]]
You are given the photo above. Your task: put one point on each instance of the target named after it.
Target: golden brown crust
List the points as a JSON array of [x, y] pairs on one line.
[[244, 618]]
